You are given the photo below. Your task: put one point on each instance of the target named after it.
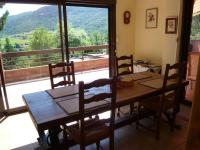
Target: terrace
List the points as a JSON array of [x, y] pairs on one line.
[[36, 77]]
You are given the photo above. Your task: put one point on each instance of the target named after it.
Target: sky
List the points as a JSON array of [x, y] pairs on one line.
[[15, 9]]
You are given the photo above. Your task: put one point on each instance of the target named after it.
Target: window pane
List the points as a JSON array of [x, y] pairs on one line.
[[29, 41], [88, 41]]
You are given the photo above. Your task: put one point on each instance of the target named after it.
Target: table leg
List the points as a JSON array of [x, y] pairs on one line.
[[42, 138], [53, 139]]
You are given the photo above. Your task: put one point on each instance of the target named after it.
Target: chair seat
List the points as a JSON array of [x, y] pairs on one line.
[[94, 131], [153, 103]]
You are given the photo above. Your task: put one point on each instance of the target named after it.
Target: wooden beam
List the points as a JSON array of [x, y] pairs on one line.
[[97, 3], [72, 2], [66, 32], [3, 82], [112, 39], [33, 1], [185, 31], [15, 111], [61, 31]]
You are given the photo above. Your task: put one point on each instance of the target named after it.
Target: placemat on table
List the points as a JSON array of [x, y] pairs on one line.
[[63, 91], [65, 98], [136, 76], [155, 83], [72, 106]]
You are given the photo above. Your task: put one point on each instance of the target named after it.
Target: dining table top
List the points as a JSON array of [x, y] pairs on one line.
[[57, 106]]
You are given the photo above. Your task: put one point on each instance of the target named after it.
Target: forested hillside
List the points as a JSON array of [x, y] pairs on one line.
[[88, 19], [39, 30]]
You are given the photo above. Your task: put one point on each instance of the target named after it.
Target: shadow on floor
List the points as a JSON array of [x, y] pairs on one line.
[[128, 138]]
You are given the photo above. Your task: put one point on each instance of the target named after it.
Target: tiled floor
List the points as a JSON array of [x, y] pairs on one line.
[[18, 133]]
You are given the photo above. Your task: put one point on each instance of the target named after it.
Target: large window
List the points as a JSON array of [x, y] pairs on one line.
[[88, 39], [29, 28], [29, 41]]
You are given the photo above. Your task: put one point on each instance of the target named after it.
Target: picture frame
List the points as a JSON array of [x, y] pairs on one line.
[[151, 18], [171, 25]]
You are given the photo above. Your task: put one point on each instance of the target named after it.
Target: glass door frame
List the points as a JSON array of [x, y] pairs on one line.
[[111, 31]]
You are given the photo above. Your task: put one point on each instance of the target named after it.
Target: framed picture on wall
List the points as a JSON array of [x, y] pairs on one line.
[[151, 18], [171, 25]]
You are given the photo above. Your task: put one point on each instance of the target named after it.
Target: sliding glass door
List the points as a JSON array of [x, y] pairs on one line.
[[36, 35], [87, 29], [90, 35]]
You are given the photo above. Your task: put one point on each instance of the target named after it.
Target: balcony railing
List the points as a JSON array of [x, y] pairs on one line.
[[16, 60], [19, 66]]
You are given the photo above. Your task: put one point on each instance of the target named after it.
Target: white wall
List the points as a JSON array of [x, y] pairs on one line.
[[169, 50], [125, 32], [147, 44]]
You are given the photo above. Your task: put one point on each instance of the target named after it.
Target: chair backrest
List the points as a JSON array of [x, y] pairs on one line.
[[124, 65], [102, 90], [63, 71], [173, 78]]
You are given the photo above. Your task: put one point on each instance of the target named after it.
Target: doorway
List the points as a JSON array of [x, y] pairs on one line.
[[194, 51], [88, 41]]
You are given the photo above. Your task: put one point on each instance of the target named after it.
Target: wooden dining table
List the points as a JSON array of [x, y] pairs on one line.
[[51, 108]]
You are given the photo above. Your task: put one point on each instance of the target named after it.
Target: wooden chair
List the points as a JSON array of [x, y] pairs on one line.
[[63, 69], [93, 130], [168, 98], [124, 66]]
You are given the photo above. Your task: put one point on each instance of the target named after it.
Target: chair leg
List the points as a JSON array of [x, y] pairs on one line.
[[158, 126], [98, 145], [132, 106], [66, 140], [118, 112], [82, 147], [173, 119], [112, 142], [137, 119]]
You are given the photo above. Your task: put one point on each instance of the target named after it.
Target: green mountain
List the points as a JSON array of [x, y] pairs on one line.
[[89, 19]]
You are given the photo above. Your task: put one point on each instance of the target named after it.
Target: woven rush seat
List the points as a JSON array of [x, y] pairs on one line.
[[94, 129], [153, 103]]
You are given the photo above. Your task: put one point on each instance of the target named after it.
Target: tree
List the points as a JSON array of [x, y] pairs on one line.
[[3, 18], [195, 30], [97, 38], [0, 46], [41, 39], [77, 37], [8, 47], [10, 63]]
